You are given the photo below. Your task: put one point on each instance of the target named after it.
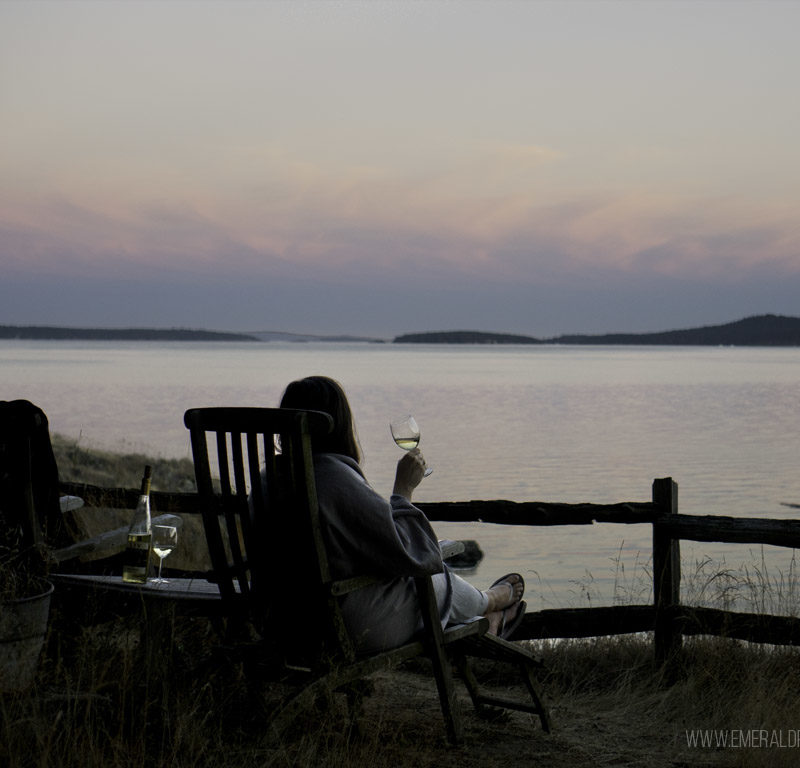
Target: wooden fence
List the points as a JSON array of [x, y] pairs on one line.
[[666, 616]]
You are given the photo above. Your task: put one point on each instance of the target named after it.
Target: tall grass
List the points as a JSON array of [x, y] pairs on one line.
[[79, 463], [724, 686], [757, 587], [99, 702], [103, 699]]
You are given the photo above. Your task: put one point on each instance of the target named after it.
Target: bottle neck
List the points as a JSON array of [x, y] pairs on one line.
[[141, 516]]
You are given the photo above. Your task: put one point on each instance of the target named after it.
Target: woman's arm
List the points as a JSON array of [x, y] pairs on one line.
[[365, 533], [410, 471]]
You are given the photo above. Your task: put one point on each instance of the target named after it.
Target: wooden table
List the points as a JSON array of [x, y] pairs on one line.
[[88, 600], [186, 596], [177, 588], [195, 596]]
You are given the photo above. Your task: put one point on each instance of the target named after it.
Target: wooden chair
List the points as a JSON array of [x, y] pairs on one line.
[[269, 556], [28, 476], [30, 515]]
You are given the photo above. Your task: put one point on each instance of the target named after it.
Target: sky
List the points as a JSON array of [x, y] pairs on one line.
[[379, 168]]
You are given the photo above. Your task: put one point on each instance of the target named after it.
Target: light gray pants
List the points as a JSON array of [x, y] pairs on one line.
[[467, 601]]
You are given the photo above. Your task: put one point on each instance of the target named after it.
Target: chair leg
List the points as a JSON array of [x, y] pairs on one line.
[[473, 687], [285, 713], [451, 712], [355, 693], [485, 704], [326, 686], [544, 716]]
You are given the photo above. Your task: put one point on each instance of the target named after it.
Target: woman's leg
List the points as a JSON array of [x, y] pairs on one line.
[[468, 601]]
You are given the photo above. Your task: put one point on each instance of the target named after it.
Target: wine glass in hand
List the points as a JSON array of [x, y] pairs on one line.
[[165, 539], [406, 434]]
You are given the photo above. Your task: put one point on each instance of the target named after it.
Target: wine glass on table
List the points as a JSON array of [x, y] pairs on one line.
[[165, 539], [405, 432]]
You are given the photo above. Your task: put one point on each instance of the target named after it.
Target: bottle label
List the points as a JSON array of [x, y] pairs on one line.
[[137, 558]]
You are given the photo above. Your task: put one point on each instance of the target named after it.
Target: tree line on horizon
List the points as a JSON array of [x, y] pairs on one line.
[[56, 333], [759, 330]]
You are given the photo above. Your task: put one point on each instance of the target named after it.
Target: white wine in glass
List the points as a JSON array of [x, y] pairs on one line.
[[165, 539], [406, 434]]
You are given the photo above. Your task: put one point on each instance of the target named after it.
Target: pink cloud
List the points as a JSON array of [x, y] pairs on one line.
[[494, 216]]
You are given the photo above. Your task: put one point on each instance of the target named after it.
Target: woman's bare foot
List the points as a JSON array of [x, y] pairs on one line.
[[504, 593], [498, 619]]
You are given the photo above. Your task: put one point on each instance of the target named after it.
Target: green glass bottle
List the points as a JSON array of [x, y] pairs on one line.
[[136, 565]]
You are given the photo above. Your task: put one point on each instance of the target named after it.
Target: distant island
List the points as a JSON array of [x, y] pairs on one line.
[[758, 331], [295, 337], [56, 333], [465, 337]]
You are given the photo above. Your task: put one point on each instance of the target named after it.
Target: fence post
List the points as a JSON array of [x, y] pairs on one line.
[[666, 575]]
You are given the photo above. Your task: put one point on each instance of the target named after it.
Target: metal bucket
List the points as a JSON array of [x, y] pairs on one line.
[[23, 626]]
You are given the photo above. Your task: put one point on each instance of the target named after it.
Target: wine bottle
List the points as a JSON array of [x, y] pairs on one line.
[[137, 556]]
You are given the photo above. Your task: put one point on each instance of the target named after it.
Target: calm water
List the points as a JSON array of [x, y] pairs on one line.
[[523, 423]]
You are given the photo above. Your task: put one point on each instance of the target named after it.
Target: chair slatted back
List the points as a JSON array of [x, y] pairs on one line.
[[255, 477]]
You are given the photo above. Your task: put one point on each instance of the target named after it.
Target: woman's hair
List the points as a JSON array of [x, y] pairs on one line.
[[320, 393]]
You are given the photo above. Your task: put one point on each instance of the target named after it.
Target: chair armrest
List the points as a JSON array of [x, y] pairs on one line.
[[107, 540], [449, 548], [476, 628], [343, 586]]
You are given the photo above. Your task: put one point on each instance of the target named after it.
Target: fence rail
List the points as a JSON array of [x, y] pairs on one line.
[[666, 616]]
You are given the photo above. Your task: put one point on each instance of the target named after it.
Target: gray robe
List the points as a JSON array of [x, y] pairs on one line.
[[365, 534]]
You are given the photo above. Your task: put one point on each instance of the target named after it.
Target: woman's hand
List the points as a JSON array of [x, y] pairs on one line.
[[410, 471]]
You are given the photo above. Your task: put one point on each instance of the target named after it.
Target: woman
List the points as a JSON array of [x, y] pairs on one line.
[[365, 534]]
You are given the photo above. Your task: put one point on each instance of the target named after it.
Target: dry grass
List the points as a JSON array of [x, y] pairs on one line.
[[79, 463], [96, 704]]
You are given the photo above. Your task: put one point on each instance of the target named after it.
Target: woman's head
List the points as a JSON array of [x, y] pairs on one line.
[[320, 393]]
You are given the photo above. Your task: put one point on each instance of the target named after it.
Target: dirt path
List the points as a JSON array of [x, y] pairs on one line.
[[402, 726]]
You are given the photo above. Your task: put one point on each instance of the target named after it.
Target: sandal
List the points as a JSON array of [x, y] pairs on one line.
[[507, 629], [505, 578]]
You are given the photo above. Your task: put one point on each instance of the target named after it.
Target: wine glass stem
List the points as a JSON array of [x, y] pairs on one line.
[[160, 562]]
